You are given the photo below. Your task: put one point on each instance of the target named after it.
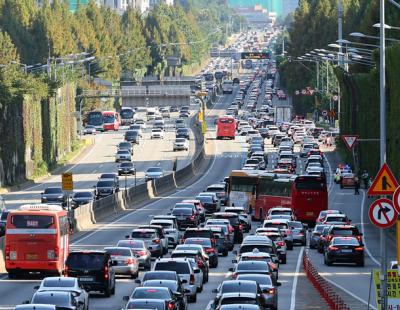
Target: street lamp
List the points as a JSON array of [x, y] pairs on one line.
[[361, 35], [386, 27]]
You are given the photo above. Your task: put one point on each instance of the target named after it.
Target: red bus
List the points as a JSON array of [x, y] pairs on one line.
[[226, 127], [111, 120], [36, 240], [309, 197], [273, 190]]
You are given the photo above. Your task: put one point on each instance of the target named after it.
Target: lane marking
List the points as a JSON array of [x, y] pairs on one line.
[[294, 286], [350, 293], [363, 231]]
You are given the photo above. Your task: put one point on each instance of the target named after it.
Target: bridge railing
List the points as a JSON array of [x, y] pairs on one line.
[[175, 90]]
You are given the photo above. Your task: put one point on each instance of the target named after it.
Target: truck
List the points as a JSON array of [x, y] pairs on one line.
[[282, 114], [227, 87]]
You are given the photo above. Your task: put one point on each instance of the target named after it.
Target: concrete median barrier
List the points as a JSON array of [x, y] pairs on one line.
[[83, 217], [106, 207], [136, 195], [164, 184]]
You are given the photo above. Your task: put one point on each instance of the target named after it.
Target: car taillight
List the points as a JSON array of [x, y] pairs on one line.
[[209, 250], [231, 229], [333, 248], [66, 271], [288, 231], [192, 217], [360, 248], [192, 280], [141, 253], [359, 238], [171, 305], [129, 261], [200, 263], [234, 275], [241, 226], [155, 241], [329, 237], [106, 272], [280, 243], [301, 233], [7, 252], [271, 291]]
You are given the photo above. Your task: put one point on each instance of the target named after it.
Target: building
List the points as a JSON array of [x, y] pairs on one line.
[[119, 5], [153, 3]]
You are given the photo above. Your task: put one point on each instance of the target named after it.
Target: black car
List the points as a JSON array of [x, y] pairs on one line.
[[344, 250], [234, 221], [132, 136], [209, 203], [94, 270], [182, 133], [186, 217], [154, 292], [126, 168], [3, 222], [53, 194], [105, 187], [82, 198], [175, 286], [112, 176], [160, 275]]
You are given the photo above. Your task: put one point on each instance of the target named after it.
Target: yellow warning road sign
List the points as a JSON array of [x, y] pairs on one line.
[[67, 181], [384, 183]]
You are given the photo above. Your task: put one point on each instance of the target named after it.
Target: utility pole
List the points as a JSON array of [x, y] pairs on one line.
[[383, 273]]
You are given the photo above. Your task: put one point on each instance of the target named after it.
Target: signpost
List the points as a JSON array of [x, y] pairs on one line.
[[67, 181], [393, 288], [255, 55], [384, 184], [350, 141], [382, 213]]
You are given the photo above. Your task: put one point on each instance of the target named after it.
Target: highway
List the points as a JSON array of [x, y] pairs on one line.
[[100, 158]]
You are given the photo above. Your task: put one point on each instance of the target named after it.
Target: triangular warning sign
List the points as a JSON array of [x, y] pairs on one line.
[[350, 140], [384, 184]]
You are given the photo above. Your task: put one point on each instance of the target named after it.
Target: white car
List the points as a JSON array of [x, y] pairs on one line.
[[171, 232], [89, 130], [157, 133], [153, 173], [65, 284], [123, 155], [180, 144]]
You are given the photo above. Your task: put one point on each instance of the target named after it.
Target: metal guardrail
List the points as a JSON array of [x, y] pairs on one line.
[[325, 289], [179, 91]]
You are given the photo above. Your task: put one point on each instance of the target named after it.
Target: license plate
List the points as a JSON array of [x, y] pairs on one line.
[[31, 256], [309, 213], [86, 279], [347, 251]]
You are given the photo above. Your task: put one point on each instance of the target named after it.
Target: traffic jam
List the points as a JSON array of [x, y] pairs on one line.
[[254, 218]]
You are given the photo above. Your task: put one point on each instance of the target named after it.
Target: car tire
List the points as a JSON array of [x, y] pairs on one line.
[[290, 246], [200, 289], [113, 289], [193, 299], [361, 264], [283, 259], [225, 253], [135, 275], [327, 261], [107, 292]]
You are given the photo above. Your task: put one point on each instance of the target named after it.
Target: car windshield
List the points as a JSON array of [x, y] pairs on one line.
[[345, 241], [32, 221], [238, 300], [53, 190], [182, 211], [134, 244], [105, 183], [60, 300], [172, 285], [125, 145], [146, 304], [251, 265], [118, 251], [85, 260], [59, 282], [178, 267], [154, 275], [277, 225], [123, 152], [180, 140], [335, 219], [143, 234], [260, 279], [154, 169], [150, 293], [205, 242], [236, 286], [197, 233], [343, 231], [250, 247], [126, 165], [296, 225], [83, 195], [205, 199]]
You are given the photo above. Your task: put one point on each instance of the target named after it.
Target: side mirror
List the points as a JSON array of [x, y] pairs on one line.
[[278, 283], [36, 287], [137, 281], [114, 263], [80, 302], [184, 281], [186, 291], [125, 298], [178, 294], [234, 261], [196, 271], [231, 269], [127, 236], [42, 193], [26, 302], [169, 213], [215, 291]]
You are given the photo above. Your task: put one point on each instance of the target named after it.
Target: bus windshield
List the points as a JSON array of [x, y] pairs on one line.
[[95, 118], [32, 221], [127, 113], [108, 118], [316, 183], [226, 120], [243, 184], [275, 187]]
